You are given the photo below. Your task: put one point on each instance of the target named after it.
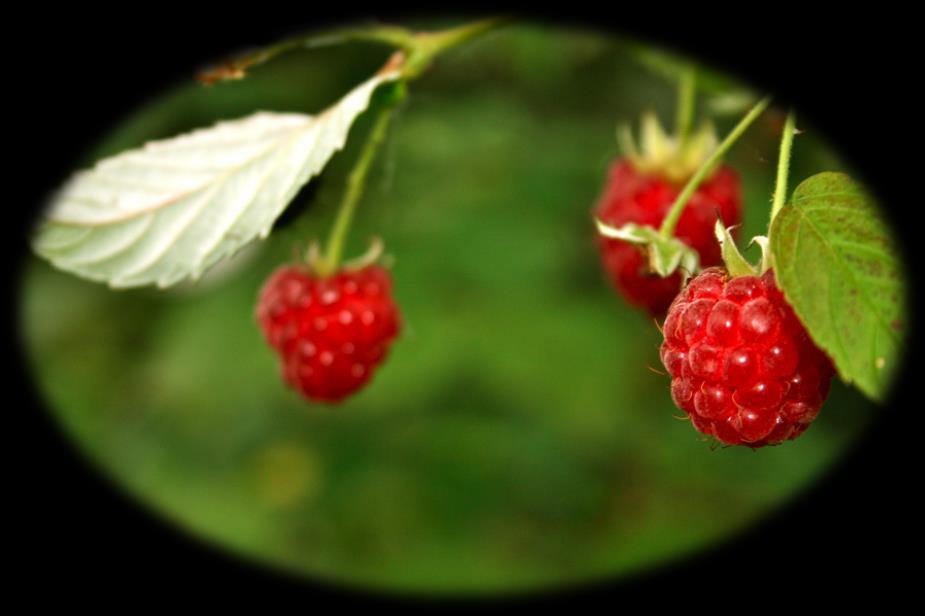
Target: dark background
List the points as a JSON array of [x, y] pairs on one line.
[[851, 75]]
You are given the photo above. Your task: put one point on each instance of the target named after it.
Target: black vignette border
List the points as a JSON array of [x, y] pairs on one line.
[[851, 73]]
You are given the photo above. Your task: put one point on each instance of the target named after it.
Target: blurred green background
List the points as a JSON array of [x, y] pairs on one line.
[[516, 438]]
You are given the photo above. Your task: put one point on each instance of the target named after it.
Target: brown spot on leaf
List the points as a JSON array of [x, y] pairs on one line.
[[394, 63], [230, 69]]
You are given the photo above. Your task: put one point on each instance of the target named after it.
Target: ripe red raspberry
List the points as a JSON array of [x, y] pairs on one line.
[[632, 196], [742, 365], [331, 332]]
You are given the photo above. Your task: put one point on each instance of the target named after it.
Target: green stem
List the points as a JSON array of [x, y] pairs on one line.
[[418, 52], [420, 47], [686, 102], [455, 36], [427, 45], [783, 165], [235, 68], [356, 181], [677, 208]]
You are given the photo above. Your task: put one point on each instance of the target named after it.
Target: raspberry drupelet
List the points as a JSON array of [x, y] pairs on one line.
[[331, 333], [742, 365]]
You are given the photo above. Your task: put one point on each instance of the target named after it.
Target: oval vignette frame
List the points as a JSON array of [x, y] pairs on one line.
[[110, 509]]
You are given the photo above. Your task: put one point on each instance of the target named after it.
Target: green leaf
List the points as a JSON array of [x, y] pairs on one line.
[[837, 264], [665, 255], [173, 208]]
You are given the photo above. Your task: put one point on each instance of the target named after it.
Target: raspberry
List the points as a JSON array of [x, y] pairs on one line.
[[645, 198], [331, 333], [742, 365]]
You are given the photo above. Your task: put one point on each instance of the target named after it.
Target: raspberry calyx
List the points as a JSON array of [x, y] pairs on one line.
[[633, 197]]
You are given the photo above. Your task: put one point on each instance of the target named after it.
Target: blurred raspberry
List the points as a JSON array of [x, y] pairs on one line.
[[330, 333], [644, 199]]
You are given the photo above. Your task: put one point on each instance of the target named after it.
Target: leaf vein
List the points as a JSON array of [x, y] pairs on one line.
[[863, 292], [177, 197]]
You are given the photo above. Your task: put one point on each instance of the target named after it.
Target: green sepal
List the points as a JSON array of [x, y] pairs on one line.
[[661, 154], [316, 262], [735, 263], [665, 255], [765, 245], [372, 255]]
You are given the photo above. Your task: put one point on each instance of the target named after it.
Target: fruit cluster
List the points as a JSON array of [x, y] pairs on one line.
[[742, 365]]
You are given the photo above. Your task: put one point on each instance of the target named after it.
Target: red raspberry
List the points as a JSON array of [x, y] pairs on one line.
[[631, 196], [331, 332], [741, 363]]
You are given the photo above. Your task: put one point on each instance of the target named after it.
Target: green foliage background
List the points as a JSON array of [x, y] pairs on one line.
[[516, 437]]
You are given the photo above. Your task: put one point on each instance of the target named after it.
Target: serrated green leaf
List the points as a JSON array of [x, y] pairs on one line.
[[836, 262], [173, 208]]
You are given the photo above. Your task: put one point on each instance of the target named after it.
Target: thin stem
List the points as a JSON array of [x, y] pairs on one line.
[[419, 50], [783, 164], [355, 184], [427, 45], [236, 67], [420, 47], [455, 36], [677, 208], [686, 102]]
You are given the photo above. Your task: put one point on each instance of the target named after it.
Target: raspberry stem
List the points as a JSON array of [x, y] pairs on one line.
[[419, 51], [783, 165], [356, 181], [425, 46], [677, 208]]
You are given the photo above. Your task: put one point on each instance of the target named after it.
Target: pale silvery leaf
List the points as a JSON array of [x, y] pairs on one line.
[[173, 208]]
